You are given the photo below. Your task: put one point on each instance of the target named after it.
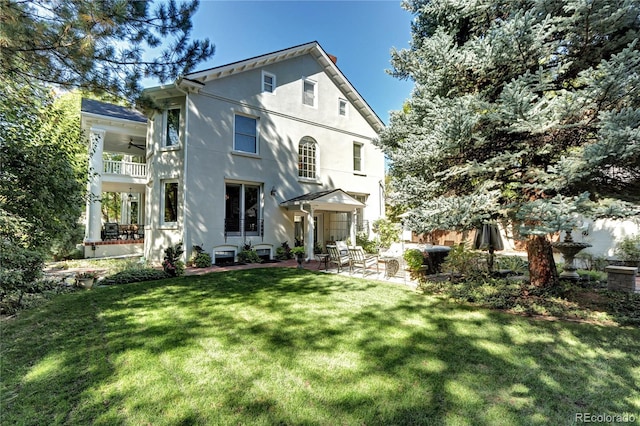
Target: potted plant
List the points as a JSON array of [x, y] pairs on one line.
[[298, 252], [86, 279]]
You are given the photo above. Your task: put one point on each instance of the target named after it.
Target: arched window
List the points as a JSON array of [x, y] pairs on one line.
[[307, 158]]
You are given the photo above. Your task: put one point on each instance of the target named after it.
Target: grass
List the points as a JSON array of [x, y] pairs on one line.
[[297, 347]]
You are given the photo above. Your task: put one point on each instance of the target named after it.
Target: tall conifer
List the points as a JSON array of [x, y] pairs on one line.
[[523, 111]]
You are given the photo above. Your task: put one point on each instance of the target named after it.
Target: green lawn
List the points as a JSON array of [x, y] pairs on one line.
[[284, 346]]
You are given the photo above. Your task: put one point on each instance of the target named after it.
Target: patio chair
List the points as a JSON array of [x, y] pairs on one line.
[[111, 231], [140, 232], [342, 248], [359, 258], [336, 258]]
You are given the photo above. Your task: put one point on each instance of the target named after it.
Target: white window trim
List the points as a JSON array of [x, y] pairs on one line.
[[246, 153], [317, 161], [315, 92], [165, 119], [362, 159], [243, 185], [163, 184], [273, 77], [346, 107]]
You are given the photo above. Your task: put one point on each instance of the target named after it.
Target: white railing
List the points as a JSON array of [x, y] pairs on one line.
[[125, 168]]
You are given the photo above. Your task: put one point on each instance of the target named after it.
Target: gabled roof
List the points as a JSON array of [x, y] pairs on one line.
[[332, 199], [91, 106], [195, 80]]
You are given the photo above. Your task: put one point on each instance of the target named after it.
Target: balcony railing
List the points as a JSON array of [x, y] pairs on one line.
[[125, 168]]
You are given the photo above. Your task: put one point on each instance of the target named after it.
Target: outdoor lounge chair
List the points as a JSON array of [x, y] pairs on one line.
[[111, 231], [336, 258], [358, 257]]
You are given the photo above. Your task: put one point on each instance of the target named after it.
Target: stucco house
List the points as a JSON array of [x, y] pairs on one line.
[[270, 149]]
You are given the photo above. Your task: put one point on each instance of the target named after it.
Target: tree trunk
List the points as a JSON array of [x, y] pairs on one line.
[[542, 267]]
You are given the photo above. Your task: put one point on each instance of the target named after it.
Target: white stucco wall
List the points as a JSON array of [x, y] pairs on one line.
[[282, 122]]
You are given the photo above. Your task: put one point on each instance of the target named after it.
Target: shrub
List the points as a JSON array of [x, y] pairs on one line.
[[462, 261], [200, 258], [249, 256], [284, 251], [516, 264], [134, 276], [172, 264], [414, 259], [369, 246], [64, 247], [628, 250], [19, 270], [37, 292], [591, 262], [388, 232]]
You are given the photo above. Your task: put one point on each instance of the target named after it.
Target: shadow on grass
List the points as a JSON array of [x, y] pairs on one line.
[[282, 346]]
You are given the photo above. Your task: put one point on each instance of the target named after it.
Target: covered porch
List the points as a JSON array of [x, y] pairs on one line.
[[117, 170], [324, 217]]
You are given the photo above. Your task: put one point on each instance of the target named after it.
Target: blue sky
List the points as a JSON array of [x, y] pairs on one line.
[[360, 33]]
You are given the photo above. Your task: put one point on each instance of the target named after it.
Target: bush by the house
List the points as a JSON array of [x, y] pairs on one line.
[[284, 251], [172, 264], [248, 255], [200, 258], [134, 276]]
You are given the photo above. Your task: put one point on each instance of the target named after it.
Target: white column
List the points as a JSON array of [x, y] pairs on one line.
[[310, 228], [353, 224], [94, 186]]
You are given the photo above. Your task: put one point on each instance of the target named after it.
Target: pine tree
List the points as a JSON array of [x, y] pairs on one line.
[[525, 112], [97, 46]]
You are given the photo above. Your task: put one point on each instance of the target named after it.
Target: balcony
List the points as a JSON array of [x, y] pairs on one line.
[[124, 168]]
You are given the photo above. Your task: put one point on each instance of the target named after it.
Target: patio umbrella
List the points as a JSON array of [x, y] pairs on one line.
[[488, 238]]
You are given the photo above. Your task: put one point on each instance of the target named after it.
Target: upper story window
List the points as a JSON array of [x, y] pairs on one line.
[[171, 120], [245, 137], [358, 160], [309, 92], [268, 82], [307, 158], [170, 202], [342, 107]]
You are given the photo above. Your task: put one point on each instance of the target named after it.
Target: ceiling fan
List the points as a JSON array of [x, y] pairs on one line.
[[136, 145]]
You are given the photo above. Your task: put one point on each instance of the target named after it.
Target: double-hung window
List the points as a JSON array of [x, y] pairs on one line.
[[169, 202], [342, 107], [268, 82], [309, 92], [358, 150], [307, 158], [243, 211], [245, 136], [171, 120]]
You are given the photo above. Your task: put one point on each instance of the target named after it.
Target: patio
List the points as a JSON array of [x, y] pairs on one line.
[[401, 277]]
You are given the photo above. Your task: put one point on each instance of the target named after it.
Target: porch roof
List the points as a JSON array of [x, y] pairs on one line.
[[332, 200]]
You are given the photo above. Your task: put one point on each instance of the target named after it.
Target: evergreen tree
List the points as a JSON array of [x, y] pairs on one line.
[[97, 46], [523, 111]]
